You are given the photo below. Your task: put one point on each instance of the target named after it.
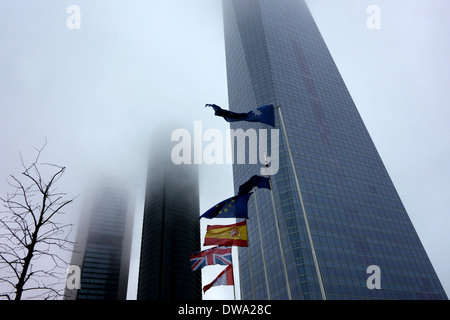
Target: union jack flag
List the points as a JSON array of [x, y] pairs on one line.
[[216, 255]]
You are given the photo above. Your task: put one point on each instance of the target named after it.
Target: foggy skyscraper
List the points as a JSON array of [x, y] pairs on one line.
[[355, 219], [170, 232], [104, 243]]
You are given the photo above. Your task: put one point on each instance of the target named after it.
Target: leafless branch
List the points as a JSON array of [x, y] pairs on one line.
[[29, 232]]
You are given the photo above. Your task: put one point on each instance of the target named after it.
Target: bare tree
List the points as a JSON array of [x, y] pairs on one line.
[[31, 238]]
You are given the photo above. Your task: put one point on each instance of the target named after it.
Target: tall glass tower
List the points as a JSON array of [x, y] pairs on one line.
[[104, 243], [171, 231], [337, 209]]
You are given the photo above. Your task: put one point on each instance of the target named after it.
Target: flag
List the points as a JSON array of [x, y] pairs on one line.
[[264, 114], [234, 207], [216, 255], [227, 235], [255, 181], [225, 278]]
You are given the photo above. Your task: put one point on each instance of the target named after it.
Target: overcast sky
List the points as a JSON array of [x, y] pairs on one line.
[[97, 94]]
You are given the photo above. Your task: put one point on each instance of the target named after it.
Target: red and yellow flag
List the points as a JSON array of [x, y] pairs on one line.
[[227, 235]]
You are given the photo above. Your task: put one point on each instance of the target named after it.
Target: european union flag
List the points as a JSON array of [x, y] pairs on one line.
[[264, 114], [234, 207], [255, 181]]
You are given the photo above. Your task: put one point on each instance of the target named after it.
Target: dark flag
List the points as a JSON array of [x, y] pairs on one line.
[[234, 207], [255, 181], [264, 114]]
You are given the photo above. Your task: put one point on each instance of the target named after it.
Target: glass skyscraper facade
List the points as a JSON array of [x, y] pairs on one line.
[[170, 232], [275, 54], [104, 244]]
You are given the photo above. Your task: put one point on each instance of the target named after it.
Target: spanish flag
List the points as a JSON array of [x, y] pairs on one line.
[[227, 235]]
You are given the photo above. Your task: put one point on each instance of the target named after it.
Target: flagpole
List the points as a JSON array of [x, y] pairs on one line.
[[313, 250], [251, 275], [262, 251], [283, 259], [234, 285]]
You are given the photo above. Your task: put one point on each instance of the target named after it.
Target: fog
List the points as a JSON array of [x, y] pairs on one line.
[[97, 93]]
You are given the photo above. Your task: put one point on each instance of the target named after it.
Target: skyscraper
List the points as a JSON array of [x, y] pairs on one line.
[[337, 209], [170, 232], [104, 243]]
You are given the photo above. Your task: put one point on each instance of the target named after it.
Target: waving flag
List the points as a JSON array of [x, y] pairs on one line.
[[264, 114], [234, 207], [255, 181], [217, 255], [227, 235], [225, 278]]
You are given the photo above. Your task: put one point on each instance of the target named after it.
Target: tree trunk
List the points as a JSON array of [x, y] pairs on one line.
[[26, 264]]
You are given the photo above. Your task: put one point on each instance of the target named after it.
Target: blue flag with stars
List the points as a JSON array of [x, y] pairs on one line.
[[234, 207], [264, 114]]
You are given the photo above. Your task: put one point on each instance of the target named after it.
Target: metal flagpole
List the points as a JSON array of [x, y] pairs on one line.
[[313, 250], [251, 273], [240, 282], [262, 249], [283, 259], [234, 283]]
